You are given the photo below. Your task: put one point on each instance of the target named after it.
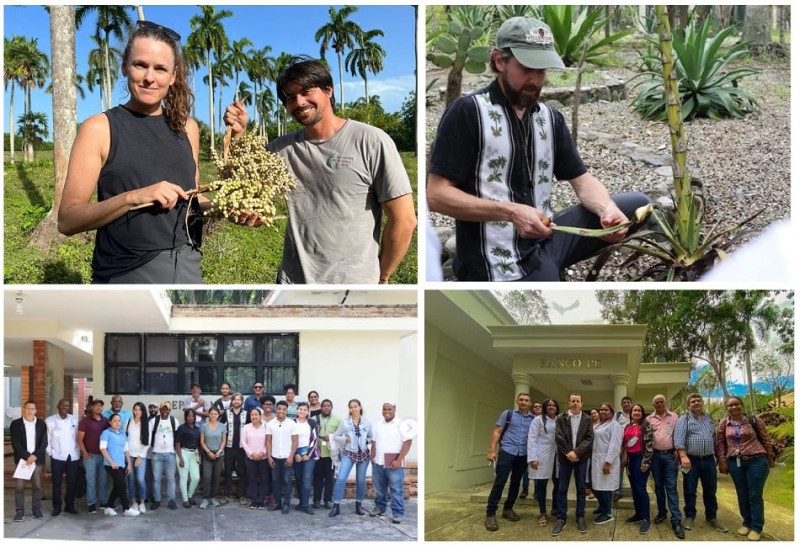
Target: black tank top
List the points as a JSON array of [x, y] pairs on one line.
[[143, 151]]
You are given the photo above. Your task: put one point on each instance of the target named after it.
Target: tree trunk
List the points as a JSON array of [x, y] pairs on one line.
[[453, 86], [65, 116], [107, 73], [341, 81], [29, 154], [11, 125], [140, 11], [757, 25], [210, 96], [751, 393]]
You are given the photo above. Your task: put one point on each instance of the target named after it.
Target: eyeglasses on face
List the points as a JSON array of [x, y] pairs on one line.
[[258, 387], [171, 34]]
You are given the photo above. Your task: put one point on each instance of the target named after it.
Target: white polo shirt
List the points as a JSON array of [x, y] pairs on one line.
[[281, 433]]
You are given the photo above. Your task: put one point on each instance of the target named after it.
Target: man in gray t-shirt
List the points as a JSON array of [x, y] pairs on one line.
[[348, 174]]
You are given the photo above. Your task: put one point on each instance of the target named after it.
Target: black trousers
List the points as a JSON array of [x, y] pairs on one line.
[[235, 460], [323, 480], [120, 490], [59, 468]]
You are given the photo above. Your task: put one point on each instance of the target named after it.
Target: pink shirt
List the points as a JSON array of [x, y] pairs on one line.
[[254, 440], [662, 430], [632, 438]]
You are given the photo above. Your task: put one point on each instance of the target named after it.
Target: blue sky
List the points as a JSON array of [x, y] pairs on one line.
[[284, 28]]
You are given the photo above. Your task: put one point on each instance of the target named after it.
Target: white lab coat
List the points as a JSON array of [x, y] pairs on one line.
[[606, 448], [542, 447]]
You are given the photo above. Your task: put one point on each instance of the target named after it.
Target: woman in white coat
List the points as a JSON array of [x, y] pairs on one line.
[[542, 455], [606, 461]]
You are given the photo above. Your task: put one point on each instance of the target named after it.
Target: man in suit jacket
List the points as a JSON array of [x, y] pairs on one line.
[[574, 436], [29, 440]]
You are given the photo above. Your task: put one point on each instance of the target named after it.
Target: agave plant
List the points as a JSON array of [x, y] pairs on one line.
[[570, 35], [707, 83], [679, 244]]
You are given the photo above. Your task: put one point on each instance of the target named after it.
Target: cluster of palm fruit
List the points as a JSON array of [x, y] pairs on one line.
[[251, 179]]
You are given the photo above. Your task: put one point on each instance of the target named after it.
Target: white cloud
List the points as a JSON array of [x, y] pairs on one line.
[[392, 91]]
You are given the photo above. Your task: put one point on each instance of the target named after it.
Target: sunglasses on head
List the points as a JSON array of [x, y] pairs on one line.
[[171, 34]]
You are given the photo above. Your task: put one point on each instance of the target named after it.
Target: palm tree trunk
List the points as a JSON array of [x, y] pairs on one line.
[[107, 73], [140, 11], [65, 101], [11, 126], [210, 96], [366, 90], [341, 81]]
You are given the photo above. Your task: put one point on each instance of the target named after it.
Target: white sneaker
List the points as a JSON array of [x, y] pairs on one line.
[[142, 508], [110, 512], [131, 512], [204, 504], [214, 502]]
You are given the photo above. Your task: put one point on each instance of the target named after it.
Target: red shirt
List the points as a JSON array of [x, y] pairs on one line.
[[92, 429], [632, 432]]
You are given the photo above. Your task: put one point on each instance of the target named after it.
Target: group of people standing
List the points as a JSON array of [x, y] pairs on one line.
[[264, 446], [596, 447]]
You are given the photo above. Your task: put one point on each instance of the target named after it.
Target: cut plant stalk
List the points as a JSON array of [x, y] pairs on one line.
[[638, 217]]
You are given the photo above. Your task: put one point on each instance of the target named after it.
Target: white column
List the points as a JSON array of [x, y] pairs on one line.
[[620, 382]]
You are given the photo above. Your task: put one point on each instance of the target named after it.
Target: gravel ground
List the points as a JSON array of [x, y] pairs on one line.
[[735, 186]]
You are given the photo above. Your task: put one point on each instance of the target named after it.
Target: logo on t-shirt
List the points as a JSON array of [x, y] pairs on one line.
[[335, 161]]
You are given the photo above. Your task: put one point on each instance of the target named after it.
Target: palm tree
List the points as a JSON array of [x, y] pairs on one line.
[[368, 57], [65, 104], [281, 63], [340, 34], [111, 21], [239, 56], [222, 72], [265, 102], [244, 93], [33, 67], [33, 128], [194, 54], [97, 70], [209, 30], [11, 75], [260, 67]]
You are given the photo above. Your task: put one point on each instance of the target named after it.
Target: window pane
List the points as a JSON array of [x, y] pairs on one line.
[[200, 349], [122, 380], [239, 350], [241, 379], [122, 348], [277, 377], [161, 349], [205, 376], [161, 379], [281, 349]]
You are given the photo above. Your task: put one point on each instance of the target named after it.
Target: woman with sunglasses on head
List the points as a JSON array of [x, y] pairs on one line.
[[745, 451], [354, 434], [145, 151]]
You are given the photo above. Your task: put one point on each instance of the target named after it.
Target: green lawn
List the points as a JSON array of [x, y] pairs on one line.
[[231, 254]]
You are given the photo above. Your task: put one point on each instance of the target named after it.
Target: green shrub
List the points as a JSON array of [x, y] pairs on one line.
[[708, 86], [31, 216]]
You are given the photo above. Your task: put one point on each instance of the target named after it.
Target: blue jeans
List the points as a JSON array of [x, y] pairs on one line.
[[665, 476], [164, 462], [749, 480], [383, 478], [95, 476], [506, 464], [565, 471], [282, 482], [137, 478], [303, 475], [641, 501], [704, 470], [361, 479]]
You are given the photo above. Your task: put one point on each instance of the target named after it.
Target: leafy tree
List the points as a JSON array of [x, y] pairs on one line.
[[340, 34], [239, 58], [194, 55], [526, 307], [95, 73], [111, 21], [709, 326], [12, 73], [368, 57], [208, 29], [29, 67], [260, 69], [773, 366]]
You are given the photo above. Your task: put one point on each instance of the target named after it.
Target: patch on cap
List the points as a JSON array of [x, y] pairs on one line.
[[540, 35]]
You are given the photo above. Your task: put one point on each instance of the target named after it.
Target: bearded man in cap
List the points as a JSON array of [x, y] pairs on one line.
[[498, 152]]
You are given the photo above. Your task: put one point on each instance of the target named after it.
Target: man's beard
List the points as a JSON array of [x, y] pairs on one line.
[[516, 97]]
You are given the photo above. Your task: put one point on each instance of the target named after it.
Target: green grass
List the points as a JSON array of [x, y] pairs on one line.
[[780, 485], [232, 254]]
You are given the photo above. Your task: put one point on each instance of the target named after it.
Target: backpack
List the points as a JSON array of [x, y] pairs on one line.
[[509, 413], [155, 427]]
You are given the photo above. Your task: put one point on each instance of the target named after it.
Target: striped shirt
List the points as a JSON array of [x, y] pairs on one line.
[[696, 436]]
